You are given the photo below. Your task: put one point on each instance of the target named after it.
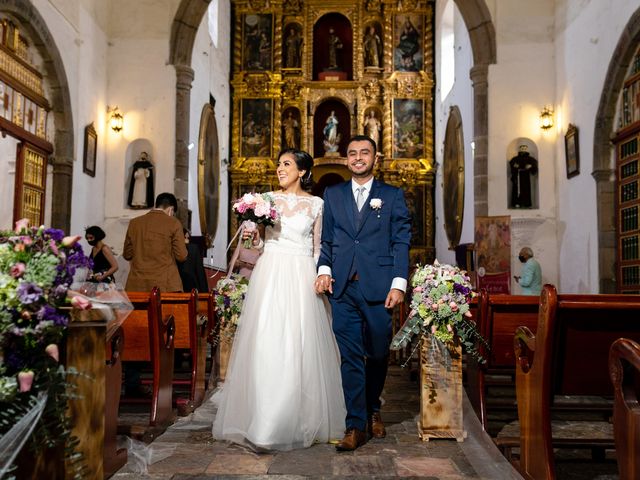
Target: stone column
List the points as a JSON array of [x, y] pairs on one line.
[[478, 76], [184, 78]]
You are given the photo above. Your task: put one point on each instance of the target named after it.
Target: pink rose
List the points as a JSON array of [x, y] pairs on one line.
[[26, 240], [25, 379], [22, 224], [80, 302], [274, 213], [52, 351], [18, 247], [17, 270], [70, 240], [249, 199], [468, 314], [53, 247], [417, 289], [434, 307], [454, 306], [262, 210]]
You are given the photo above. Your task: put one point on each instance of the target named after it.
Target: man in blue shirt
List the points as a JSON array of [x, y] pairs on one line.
[[531, 280]]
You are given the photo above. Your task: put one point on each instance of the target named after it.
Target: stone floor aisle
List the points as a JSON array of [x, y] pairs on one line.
[[192, 453]]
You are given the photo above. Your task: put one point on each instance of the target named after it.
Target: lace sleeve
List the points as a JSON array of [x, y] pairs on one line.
[[317, 230]]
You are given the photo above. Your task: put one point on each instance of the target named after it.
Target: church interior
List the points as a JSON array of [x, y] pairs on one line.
[[507, 124]]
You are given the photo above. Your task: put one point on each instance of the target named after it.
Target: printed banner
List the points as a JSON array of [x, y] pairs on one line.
[[493, 253]]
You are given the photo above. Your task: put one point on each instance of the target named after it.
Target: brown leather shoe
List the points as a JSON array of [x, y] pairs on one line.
[[353, 438], [376, 427]]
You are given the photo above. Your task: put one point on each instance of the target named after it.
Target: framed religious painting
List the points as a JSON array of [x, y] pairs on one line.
[[256, 124], [572, 152], [90, 148], [257, 42], [408, 128], [408, 49]]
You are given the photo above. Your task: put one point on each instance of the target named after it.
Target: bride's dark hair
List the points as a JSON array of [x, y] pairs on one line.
[[304, 161]]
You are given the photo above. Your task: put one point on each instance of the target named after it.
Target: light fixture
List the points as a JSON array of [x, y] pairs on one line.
[[546, 118], [116, 120]]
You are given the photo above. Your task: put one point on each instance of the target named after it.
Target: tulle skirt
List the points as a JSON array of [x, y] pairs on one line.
[[283, 388]]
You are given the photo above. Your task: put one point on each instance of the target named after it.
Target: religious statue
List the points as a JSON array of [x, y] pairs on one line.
[[293, 49], [335, 44], [291, 129], [408, 46], [331, 136], [141, 184], [523, 167], [373, 127], [372, 48]]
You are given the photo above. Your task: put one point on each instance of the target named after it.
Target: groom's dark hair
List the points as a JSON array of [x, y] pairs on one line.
[[365, 138]]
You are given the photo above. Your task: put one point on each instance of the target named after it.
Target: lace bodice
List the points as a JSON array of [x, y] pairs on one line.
[[299, 225]]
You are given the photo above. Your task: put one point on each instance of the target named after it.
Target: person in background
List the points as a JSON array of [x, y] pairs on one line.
[[531, 280], [104, 262], [192, 269], [153, 244]]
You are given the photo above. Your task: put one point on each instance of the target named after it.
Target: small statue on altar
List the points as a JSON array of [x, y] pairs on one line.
[[291, 131], [331, 136], [523, 169], [372, 48], [335, 44], [373, 127], [293, 49]]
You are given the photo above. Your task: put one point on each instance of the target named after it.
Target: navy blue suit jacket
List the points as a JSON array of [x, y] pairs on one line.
[[379, 247]]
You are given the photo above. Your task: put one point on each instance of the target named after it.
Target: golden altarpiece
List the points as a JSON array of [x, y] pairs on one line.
[[310, 74]]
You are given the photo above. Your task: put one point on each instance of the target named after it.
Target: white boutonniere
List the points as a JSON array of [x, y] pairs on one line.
[[376, 204]]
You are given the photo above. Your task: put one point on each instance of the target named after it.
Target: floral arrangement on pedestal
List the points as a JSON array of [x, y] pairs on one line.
[[37, 266], [229, 296], [440, 307]]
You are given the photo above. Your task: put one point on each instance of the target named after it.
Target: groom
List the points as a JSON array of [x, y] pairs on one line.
[[363, 265]]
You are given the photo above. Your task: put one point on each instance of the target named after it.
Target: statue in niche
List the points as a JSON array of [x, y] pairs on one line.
[[141, 185], [335, 44], [372, 48], [373, 127], [293, 49], [523, 168], [291, 129], [331, 136]]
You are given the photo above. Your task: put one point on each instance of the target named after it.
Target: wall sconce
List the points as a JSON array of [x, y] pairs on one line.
[[546, 118], [116, 120]]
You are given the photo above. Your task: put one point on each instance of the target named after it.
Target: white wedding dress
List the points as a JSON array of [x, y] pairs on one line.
[[283, 388]]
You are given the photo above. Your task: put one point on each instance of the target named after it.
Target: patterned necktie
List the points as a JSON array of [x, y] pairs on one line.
[[360, 198]]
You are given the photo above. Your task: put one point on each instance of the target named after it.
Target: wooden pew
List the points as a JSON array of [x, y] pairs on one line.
[[191, 312], [150, 338], [497, 317], [624, 370], [568, 355]]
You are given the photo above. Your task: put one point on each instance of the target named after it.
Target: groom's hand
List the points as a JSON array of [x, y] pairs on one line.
[[324, 283], [394, 297]]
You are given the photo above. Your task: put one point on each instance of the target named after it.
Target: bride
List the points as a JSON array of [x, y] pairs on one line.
[[283, 387]]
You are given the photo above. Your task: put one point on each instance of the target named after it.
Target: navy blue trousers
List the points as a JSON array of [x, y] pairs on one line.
[[363, 334]]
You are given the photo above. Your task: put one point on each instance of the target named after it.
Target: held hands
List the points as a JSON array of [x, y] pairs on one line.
[[324, 283], [394, 297]]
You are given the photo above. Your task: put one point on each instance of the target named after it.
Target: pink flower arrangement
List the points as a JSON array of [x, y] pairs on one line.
[[254, 209]]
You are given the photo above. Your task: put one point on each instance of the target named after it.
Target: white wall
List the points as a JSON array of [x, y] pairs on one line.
[[212, 67], [586, 36], [461, 95], [520, 85]]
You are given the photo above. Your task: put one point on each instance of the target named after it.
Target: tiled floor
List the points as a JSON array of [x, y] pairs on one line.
[[188, 451]]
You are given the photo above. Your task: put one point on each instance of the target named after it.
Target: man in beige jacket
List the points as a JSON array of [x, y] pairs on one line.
[[153, 243]]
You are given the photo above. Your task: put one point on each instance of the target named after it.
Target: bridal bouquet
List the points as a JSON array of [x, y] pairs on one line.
[[37, 266], [440, 307], [253, 209], [229, 296]]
